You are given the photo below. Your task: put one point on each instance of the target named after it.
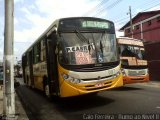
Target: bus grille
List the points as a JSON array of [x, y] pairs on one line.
[[137, 79], [94, 87], [136, 73], [105, 77]]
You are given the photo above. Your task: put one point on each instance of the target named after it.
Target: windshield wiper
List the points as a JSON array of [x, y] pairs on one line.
[[81, 36], [89, 47], [95, 47], [101, 45], [101, 48]]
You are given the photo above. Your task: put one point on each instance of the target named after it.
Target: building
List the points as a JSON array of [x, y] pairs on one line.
[[146, 26]]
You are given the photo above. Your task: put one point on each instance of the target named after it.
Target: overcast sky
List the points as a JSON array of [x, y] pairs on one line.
[[32, 17]]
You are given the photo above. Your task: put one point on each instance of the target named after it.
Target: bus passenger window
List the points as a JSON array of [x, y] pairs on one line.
[[27, 59], [37, 55], [43, 50]]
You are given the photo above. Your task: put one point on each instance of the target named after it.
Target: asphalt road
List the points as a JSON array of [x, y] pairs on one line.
[[136, 101]]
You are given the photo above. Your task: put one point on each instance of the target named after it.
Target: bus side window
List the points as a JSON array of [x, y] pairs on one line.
[[43, 50], [27, 58], [37, 54]]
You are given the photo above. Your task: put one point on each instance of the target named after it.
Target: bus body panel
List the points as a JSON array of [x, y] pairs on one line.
[[39, 71]]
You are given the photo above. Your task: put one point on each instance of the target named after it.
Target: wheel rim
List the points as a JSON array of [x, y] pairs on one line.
[[47, 90]]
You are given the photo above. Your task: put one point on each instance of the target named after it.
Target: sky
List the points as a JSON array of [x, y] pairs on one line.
[[33, 17]]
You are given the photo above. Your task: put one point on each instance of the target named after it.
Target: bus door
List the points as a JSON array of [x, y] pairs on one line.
[[31, 68], [52, 64], [24, 64]]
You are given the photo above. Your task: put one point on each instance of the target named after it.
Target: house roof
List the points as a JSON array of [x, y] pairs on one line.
[[140, 14]]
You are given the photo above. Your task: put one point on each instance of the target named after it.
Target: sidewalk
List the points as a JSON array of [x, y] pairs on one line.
[[18, 107]]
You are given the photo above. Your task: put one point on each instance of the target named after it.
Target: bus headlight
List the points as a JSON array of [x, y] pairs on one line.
[[123, 72], [147, 71], [71, 79], [77, 81], [65, 76], [117, 74]]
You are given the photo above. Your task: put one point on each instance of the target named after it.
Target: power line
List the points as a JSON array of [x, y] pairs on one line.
[[146, 4], [102, 6], [134, 9], [124, 18], [151, 7], [96, 7], [108, 7]]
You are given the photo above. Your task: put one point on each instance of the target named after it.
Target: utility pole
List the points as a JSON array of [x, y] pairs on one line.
[[131, 25], [8, 66]]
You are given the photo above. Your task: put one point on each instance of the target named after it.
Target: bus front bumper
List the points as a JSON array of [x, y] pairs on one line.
[[68, 90], [135, 79]]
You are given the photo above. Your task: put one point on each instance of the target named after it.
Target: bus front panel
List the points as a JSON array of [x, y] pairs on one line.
[[135, 75], [78, 83]]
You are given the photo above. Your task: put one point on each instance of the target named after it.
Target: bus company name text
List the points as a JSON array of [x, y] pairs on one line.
[[98, 117], [121, 116], [83, 48]]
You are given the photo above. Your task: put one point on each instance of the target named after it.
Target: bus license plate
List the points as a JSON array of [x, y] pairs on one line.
[[99, 85]]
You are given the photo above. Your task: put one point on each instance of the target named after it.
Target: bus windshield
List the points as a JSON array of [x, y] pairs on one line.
[[132, 51], [87, 48]]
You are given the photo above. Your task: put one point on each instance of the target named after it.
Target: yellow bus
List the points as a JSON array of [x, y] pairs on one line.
[[134, 63], [74, 56]]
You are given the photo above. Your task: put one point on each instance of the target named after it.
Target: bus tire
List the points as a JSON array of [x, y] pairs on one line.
[[46, 87], [46, 90]]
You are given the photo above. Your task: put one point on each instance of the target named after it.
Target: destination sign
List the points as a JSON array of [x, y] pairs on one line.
[[95, 24], [130, 42], [85, 23]]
